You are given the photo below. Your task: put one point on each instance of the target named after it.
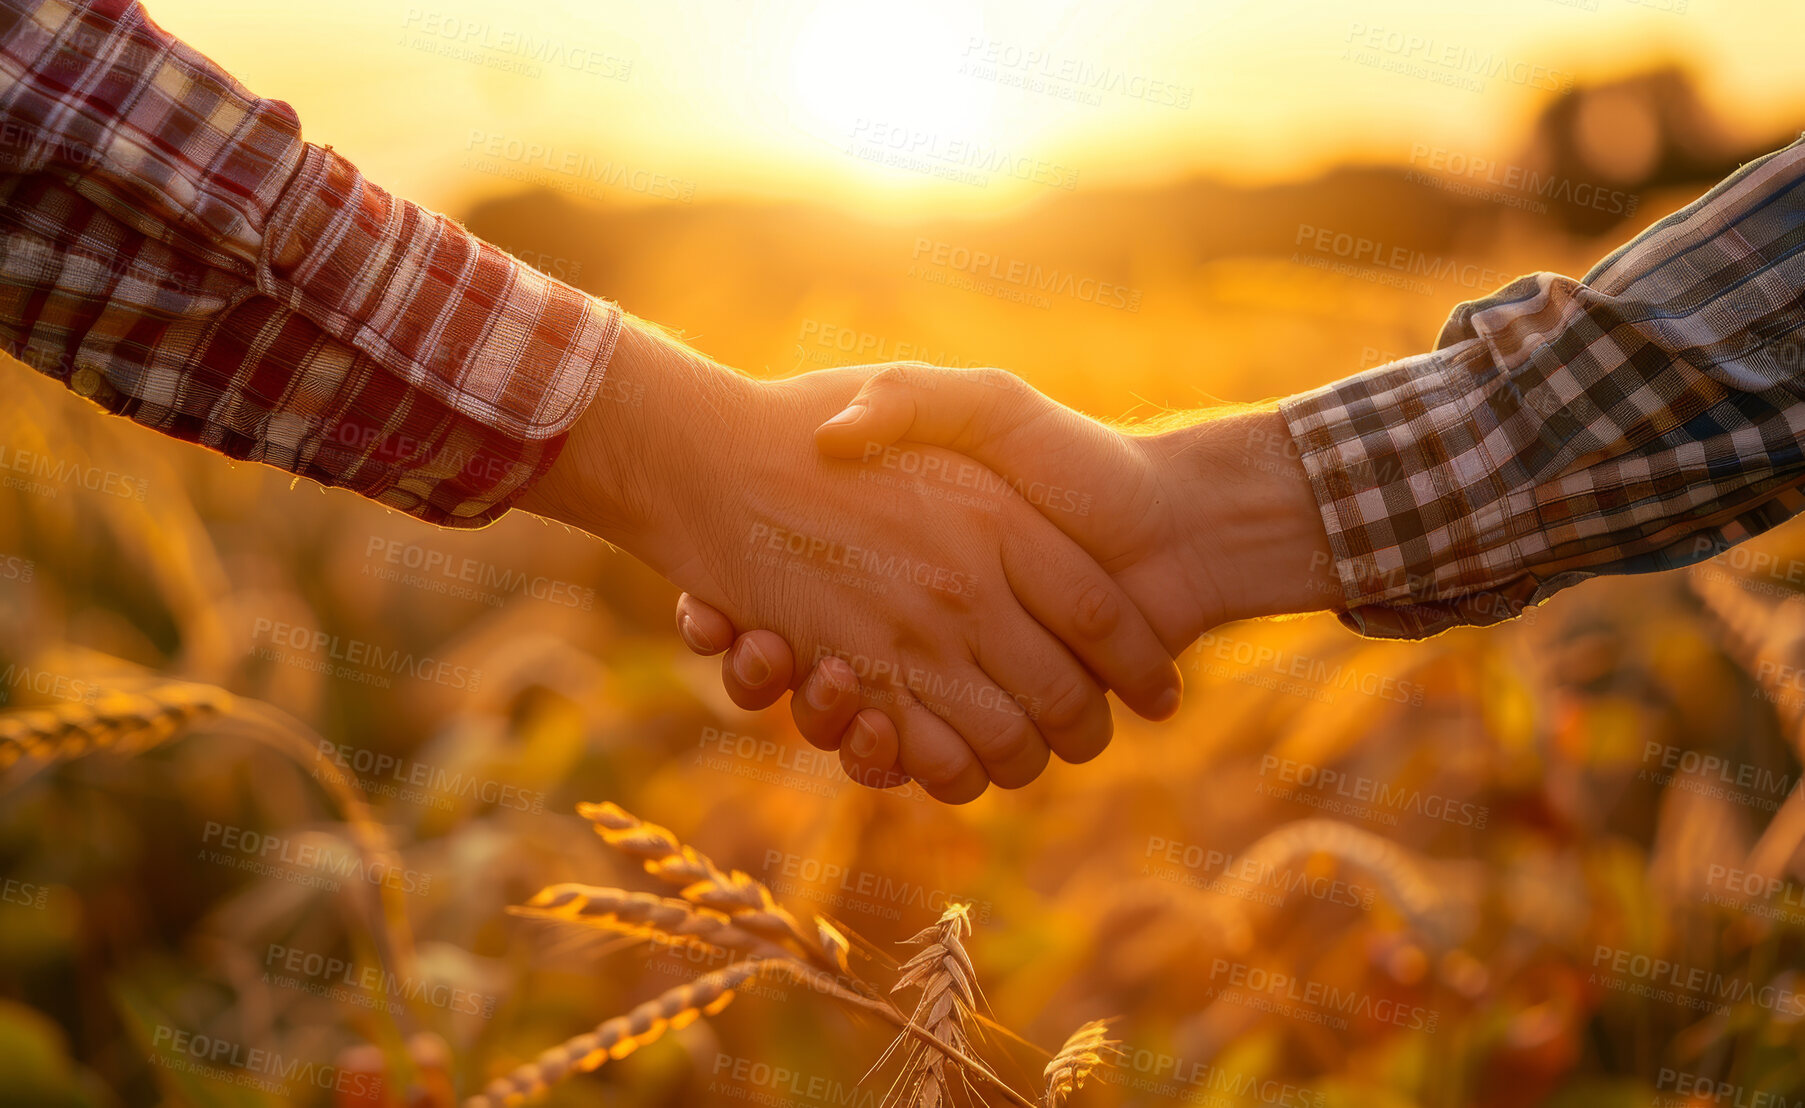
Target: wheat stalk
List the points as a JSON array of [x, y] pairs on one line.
[[1088, 1050], [731, 911], [143, 713], [1435, 904], [618, 1037]]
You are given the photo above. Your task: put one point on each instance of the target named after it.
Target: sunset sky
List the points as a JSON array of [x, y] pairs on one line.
[[450, 100]]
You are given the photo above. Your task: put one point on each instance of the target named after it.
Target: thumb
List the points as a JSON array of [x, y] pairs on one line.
[[881, 414], [957, 409]]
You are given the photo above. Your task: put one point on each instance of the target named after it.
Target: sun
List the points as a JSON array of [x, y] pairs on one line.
[[874, 77]]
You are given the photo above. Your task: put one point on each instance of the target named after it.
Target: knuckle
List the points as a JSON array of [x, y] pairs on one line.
[[1098, 611], [999, 380], [1066, 704], [899, 375], [935, 769], [1011, 741]]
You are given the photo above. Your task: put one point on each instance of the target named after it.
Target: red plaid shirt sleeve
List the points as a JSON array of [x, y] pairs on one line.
[[1644, 418], [171, 248]]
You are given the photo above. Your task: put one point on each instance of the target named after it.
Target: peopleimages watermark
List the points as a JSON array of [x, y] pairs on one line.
[[761, 1083], [508, 49], [1452, 64], [1712, 775], [1065, 77], [355, 660], [1405, 267], [960, 159], [40, 474], [1691, 987], [25, 894], [316, 865], [345, 982], [860, 890], [465, 578], [255, 1067], [1758, 571], [409, 780], [1312, 1001], [555, 266], [79, 263], [46, 683], [1696, 1090], [1512, 185], [1368, 797], [787, 765], [567, 169], [1204, 1084], [1013, 279], [963, 473], [1276, 669], [1754, 894], [932, 688], [1246, 878], [833, 343], [858, 566]]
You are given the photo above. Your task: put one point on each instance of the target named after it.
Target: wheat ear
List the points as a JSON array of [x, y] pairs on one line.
[[730, 892], [949, 994], [126, 722], [620, 1036], [666, 919], [1088, 1050]]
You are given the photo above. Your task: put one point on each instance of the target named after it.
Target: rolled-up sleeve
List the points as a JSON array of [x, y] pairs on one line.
[[173, 249], [1642, 419]]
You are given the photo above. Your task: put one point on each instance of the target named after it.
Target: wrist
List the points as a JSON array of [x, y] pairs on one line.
[[639, 449], [1249, 516]]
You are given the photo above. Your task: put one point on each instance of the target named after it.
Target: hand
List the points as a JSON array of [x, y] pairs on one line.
[[978, 633], [1203, 524]]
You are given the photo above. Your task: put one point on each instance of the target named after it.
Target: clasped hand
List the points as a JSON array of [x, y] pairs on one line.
[[948, 568]]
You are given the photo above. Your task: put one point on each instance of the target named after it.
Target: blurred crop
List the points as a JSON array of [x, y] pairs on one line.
[[289, 777]]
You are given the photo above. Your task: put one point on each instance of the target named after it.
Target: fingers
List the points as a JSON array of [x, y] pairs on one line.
[[1061, 698], [993, 724], [870, 749], [1071, 596], [933, 753], [758, 669], [704, 628], [825, 704]]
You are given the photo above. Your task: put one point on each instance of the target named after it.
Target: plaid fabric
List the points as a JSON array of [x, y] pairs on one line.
[[1643, 419], [170, 247]]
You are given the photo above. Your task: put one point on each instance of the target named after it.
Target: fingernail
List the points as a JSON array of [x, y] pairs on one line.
[[750, 664], [820, 691], [691, 637], [864, 739], [850, 414], [1166, 704]]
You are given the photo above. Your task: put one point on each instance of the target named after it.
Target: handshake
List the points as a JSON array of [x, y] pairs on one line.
[[948, 568]]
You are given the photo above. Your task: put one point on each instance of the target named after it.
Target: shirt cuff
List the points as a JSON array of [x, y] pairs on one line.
[[444, 311], [1426, 531]]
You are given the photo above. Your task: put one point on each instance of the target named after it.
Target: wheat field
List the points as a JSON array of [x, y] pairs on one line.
[[306, 803]]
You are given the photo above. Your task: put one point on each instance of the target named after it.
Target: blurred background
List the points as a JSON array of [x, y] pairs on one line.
[[1552, 862]]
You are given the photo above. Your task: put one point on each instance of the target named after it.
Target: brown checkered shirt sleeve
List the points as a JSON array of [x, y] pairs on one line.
[[171, 248], [1642, 419]]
